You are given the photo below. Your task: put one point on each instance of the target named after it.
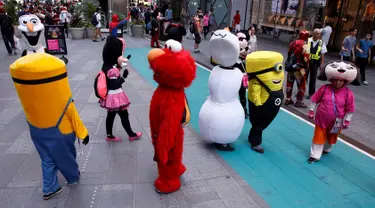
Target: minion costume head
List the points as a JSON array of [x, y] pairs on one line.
[[266, 75], [42, 85]]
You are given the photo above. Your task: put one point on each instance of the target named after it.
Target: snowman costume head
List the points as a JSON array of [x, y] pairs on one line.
[[32, 31], [224, 83]]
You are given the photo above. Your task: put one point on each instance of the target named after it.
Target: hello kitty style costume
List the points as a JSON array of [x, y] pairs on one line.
[[334, 108]]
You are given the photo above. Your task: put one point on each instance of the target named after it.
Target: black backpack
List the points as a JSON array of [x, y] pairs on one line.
[[94, 21], [291, 62], [6, 25]]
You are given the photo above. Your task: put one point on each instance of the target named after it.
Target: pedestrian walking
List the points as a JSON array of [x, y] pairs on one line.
[[326, 33], [206, 25], [364, 56], [236, 22], [97, 21], [317, 49], [252, 39], [7, 31], [197, 30], [348, 46], [154, 31]]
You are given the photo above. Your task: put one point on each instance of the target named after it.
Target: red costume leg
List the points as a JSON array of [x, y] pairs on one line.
[[169, 174]]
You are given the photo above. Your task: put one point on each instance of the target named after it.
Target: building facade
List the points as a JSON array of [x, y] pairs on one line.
[[292, 15]]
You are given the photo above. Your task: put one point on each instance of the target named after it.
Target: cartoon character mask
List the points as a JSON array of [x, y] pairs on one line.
[[341, 70], [224, 48], [31, 29]]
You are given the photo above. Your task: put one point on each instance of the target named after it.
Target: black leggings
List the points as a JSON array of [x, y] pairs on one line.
[[124, 115]]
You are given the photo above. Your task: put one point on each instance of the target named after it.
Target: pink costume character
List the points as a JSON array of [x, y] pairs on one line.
[[335, 109]]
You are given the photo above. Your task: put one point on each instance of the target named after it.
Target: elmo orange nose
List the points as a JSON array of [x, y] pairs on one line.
[[154, 53]]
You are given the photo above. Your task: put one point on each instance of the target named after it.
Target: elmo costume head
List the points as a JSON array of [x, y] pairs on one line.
[[173, 66]]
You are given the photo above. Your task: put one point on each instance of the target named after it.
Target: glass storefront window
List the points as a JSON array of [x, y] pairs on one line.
[[221, 8], [193, 6]]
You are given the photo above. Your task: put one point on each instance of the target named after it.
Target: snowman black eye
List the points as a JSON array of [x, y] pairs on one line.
[[24, 22], [34, 21]]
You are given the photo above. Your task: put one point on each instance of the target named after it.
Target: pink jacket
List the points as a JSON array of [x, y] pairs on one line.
[[325, 115], [206, 20]]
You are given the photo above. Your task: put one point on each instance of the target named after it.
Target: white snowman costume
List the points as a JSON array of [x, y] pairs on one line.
[[221, 117]]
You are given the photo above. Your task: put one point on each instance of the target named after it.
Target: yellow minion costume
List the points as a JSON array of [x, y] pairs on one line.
[[42, 85], [265, 71]]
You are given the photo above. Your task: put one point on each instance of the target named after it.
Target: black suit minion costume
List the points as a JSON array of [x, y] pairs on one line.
[[42, 85], [265, 94]]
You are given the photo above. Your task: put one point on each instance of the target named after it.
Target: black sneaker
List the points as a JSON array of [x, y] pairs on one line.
[[50, 195], [226, 148], [325, 153], [258, 149], [312, 160], [94, 41]]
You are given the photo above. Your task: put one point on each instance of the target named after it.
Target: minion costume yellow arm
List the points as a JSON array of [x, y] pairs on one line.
[[256, 93], [77, 124], [42, 84]]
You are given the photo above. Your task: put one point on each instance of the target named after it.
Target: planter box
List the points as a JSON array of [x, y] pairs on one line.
[[77, 33], [90, 32], [138, 30]]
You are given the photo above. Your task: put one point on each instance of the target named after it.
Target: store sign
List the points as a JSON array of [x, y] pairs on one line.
[[55, 40], [285, 7]]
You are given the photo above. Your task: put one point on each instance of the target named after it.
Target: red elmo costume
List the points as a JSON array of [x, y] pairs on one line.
[[174, 70]]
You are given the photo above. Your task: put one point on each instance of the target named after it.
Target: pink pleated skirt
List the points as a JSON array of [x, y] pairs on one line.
[[116, 100]]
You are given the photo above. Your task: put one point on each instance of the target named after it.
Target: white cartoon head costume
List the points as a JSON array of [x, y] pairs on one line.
[[32, 31], [341, 70], [224, 48], [222, 117]]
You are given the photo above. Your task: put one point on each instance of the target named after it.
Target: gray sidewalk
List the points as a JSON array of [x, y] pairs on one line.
[[113, 174], [361, 132]]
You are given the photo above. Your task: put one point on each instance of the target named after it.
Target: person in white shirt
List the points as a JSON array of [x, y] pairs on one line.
[[99, 25], [252, 39], [317, 49], [326, 33]]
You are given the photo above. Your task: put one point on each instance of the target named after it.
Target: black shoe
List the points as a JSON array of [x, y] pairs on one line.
[[103, 39], [308, 97], [311, 160], [50, 195], [258, 149], [94, 41], [223, 147], [325, 153]]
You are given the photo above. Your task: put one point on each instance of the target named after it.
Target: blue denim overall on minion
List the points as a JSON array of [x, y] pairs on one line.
[[57, 152]]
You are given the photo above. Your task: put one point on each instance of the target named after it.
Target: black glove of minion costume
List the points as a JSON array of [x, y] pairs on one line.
[[265, 94], [42, 85]]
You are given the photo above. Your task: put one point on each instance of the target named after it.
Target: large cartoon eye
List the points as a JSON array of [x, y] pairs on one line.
[[334, 66], [34, 21], [24, 22], [279, 68], [173, 46], [351, 68]]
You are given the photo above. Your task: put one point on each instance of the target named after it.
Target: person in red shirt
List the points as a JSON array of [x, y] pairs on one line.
[[237, 21], [298, 48]]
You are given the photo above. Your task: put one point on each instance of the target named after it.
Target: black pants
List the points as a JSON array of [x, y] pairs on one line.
[[206, 29], [312, 74], [362, 64], [9, 43], [243, 100], [66, 29], [124, 115], [346, 58]]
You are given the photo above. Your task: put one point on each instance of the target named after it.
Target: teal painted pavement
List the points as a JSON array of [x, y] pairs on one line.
[[281, 176]]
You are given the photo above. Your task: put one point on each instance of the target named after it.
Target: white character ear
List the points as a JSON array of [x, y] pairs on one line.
[[173, 46]]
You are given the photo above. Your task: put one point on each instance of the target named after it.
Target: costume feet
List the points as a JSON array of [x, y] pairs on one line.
[[312, 160], [50, 195], [300, 104], [224, 147], [137, 136], [258, 149], [325, 153], [111, 138], [289, 101]]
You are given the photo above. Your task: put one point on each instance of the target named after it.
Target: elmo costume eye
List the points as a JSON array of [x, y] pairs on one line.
[[173, 46]]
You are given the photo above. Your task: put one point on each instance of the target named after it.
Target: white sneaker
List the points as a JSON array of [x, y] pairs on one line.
[[365, 82]]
